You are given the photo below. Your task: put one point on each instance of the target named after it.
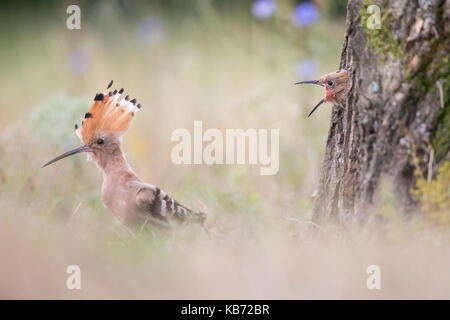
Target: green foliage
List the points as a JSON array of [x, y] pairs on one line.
[[337, 8], [53, 119], [434, 196]]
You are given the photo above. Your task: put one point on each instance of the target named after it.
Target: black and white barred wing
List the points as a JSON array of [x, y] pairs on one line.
[[161, 206]]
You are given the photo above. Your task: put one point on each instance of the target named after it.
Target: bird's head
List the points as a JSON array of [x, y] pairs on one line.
[[335, 84], [104, 125]]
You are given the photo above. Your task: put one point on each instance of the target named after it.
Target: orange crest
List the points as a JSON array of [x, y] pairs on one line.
[[108, 115]]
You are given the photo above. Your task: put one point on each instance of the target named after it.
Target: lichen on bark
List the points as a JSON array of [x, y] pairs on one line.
[[441, 138], [381, 40]]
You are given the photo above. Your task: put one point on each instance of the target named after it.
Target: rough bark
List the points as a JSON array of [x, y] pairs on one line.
[[393, 117]]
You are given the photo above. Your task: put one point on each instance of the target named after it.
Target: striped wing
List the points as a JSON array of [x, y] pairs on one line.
[[162, 207]]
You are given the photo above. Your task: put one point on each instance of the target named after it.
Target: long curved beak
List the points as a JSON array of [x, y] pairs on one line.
[[310, 81], [69, 153], [320, 102]]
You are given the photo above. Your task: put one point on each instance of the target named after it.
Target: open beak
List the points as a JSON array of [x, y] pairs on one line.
[[320, 102], [69, 153], [310, 81]]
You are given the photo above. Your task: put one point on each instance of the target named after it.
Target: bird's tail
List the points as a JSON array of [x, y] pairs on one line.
[[191, 216], [200, 217]]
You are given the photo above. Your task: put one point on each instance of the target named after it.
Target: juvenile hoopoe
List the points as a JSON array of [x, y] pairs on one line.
[[336, 85], [133, 202]]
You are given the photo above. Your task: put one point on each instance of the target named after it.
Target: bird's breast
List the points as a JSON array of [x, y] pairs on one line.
[[120, 198]]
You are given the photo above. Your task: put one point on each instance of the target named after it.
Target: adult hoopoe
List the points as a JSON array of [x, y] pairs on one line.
[[133, 202], [336, 85]]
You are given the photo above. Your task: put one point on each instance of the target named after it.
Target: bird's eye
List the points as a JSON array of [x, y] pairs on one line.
[[330, 83], [100, 141]]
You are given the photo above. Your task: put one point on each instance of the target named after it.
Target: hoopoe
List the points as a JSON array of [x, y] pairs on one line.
[[336, 85], [133, 202]]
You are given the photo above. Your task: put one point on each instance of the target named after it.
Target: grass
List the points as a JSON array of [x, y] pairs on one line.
[[229, 71]]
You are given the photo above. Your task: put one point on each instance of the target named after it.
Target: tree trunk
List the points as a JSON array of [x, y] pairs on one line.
[[397, 112]]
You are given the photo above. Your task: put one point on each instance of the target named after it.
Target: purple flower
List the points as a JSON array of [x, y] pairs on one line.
[[306, 69], [263, 9], [79, 61], [149, 31], [305, 14]]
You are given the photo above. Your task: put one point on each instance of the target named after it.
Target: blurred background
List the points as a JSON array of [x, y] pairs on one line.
[[230, 64]]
